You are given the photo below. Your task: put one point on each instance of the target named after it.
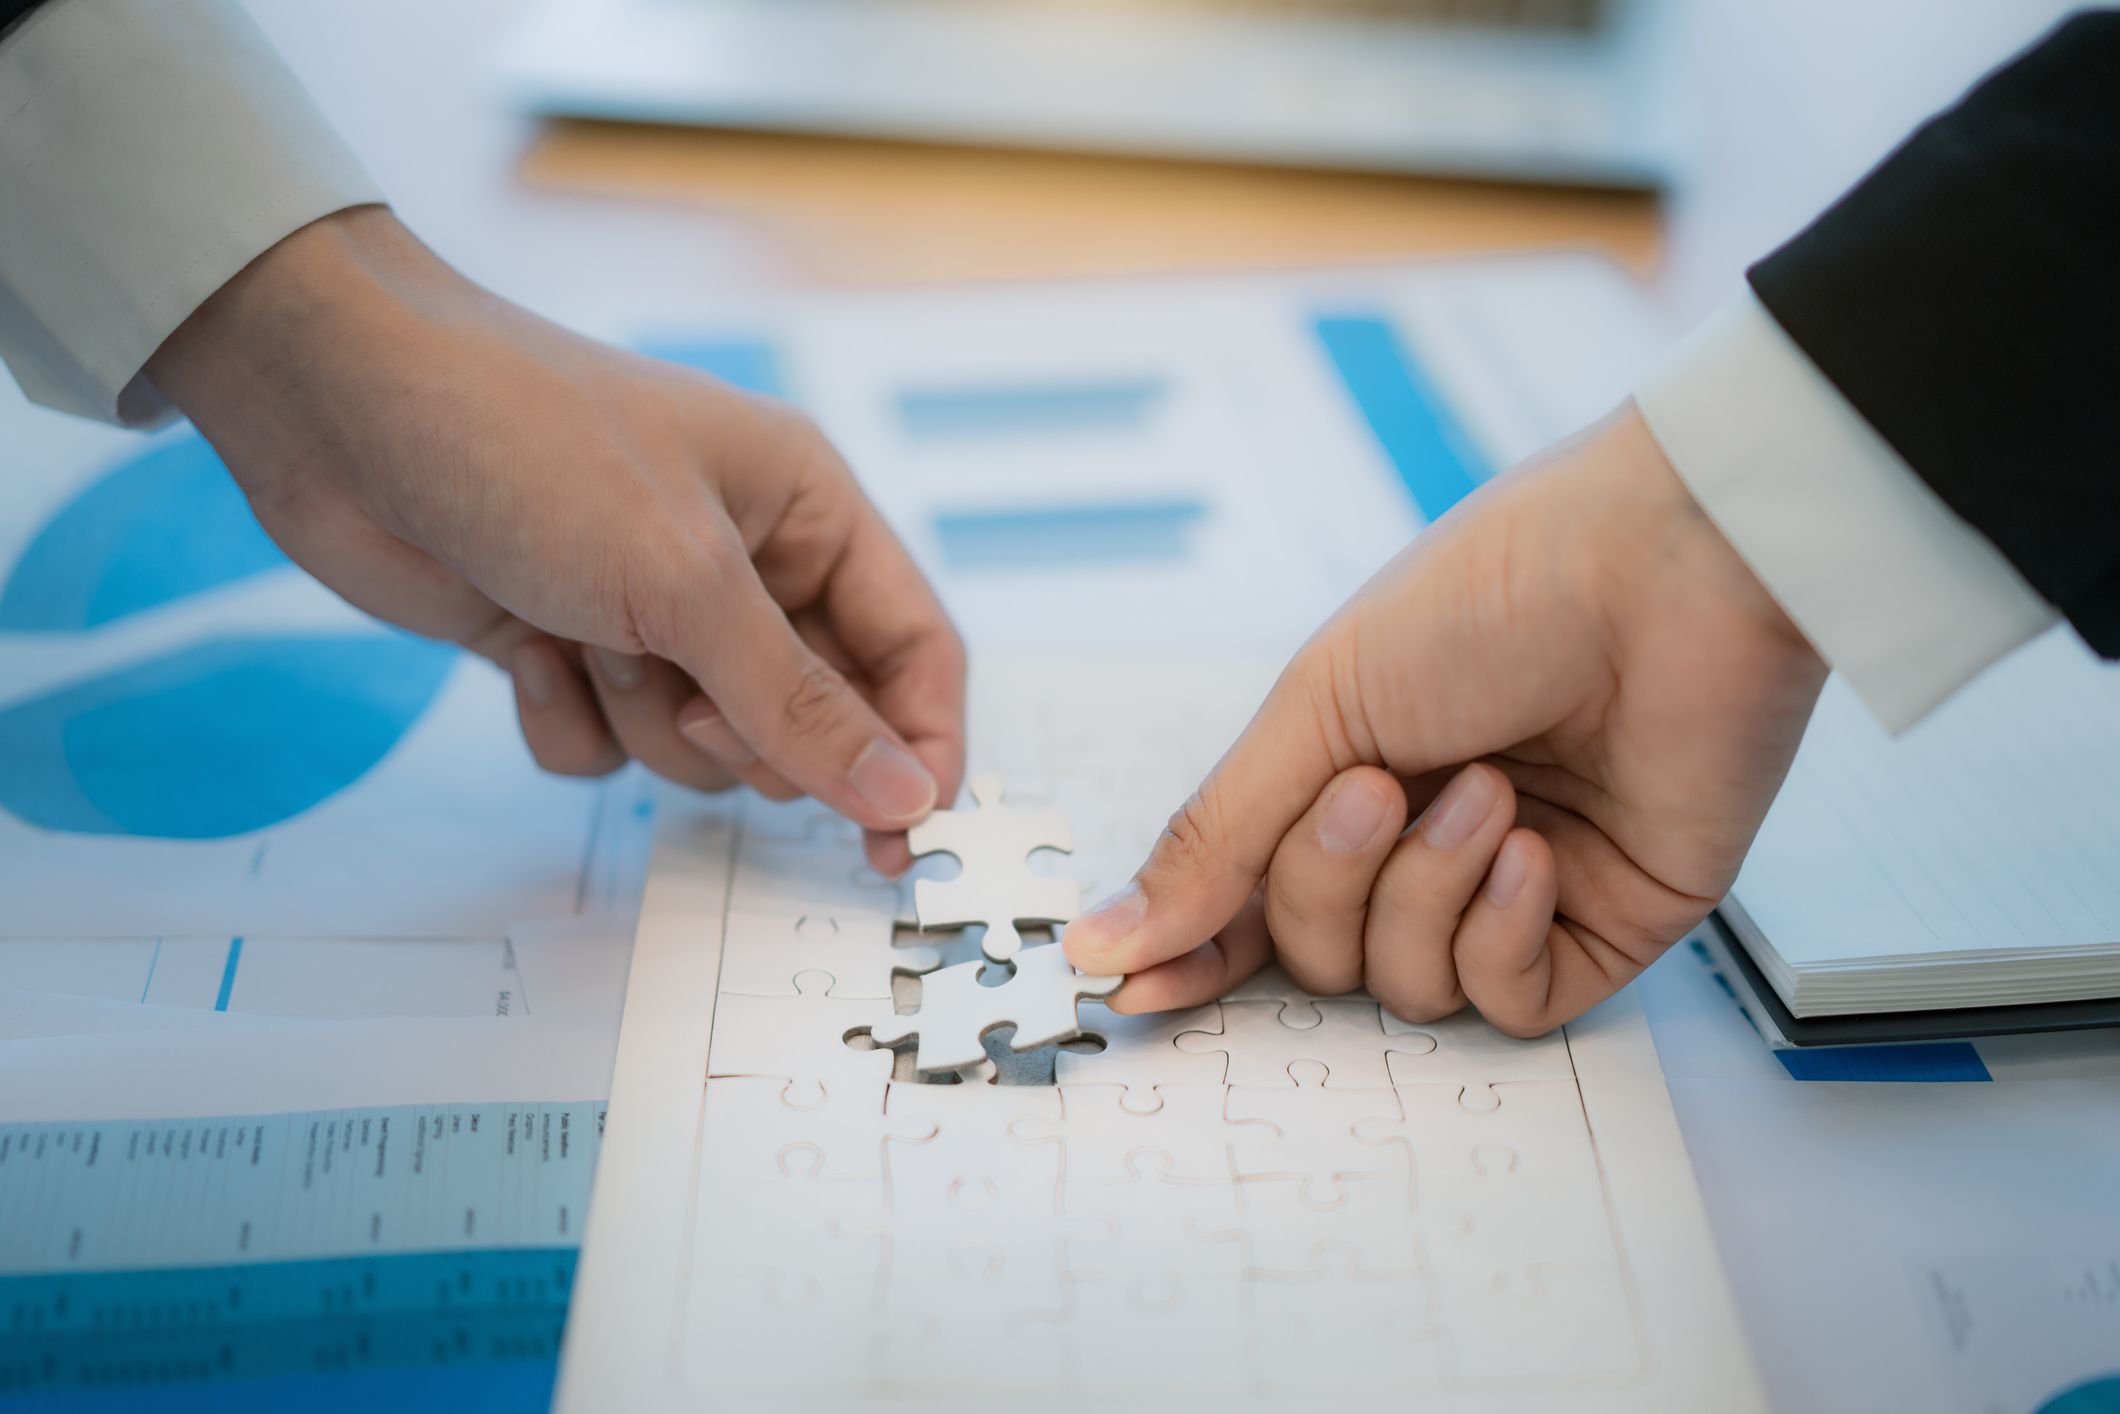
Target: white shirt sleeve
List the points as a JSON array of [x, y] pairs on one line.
[[149, 150], [1901, 597]]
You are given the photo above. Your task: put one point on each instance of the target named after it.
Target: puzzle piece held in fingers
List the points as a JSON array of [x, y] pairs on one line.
[[996, 887], [957, 1009]]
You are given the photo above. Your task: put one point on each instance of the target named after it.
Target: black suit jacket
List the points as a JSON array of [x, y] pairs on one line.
[[1965, 298]]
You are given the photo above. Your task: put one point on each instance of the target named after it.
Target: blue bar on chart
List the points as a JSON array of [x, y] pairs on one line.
[[751, 364], [1428, 447], [1060, 536], [1109, 405]]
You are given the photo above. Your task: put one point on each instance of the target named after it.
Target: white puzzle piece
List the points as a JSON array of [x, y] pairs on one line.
[[1123, 1324], [1532, 1128], [1142, 1052], [1359, 1225], [1148, 1221], [801, 1037], [973, 1220], [758, 1323], [1309, 1133], [996, 887], [763, 954], [1326, 1330], [810, 876], [770, 1125], [1262, 1039], [1464, 1048], [1109, 1130], [957, 1010]]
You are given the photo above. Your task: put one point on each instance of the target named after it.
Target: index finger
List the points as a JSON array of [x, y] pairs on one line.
[[1215, 850], [884, 615]]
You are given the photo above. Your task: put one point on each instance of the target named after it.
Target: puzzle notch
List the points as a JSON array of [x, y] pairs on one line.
[[1263, 1039], [995, 887], [768, 955]]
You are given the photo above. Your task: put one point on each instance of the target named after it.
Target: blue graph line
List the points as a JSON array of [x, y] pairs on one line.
[[1042, 537], [1431, 452], [1030, 409], [1924, 1062], [228, 974], [153, 960]]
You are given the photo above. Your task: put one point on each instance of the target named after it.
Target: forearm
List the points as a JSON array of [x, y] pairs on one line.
[[271, 360], [1909, 431], [151, 150], [1965, 299]]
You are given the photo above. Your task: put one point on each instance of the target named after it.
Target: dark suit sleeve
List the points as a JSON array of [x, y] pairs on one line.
[[13, 10], [1965, 298]]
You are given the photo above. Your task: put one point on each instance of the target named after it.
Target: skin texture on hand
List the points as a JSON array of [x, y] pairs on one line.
[[671, 569], [1581, 692]]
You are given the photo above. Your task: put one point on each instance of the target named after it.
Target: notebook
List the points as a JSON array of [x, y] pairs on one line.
[[1973, 862]]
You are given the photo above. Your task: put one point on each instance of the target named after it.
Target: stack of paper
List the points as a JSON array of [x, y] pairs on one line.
[[1975, 861]]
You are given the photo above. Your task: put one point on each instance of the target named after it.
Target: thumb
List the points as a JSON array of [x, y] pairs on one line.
[[1215, 850]]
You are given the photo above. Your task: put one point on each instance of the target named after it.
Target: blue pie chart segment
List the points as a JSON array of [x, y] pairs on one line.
[[219, 738], [2099, 1396], [167, 524]]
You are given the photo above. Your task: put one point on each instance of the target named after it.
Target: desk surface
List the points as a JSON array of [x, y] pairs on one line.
[[859, 212]]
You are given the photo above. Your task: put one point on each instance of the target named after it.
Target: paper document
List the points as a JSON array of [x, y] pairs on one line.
[[309, 978]]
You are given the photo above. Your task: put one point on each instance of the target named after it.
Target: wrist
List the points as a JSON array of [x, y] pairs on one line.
[[256, 366], [1685, 539]]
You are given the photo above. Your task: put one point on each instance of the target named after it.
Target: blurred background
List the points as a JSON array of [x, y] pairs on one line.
[[823, 142]]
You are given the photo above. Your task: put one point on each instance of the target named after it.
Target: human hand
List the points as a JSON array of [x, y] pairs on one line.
[[1587, 696], [670, 569]]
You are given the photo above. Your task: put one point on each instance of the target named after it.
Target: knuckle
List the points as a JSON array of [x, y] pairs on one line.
[[814, 702], [1519, 1025], [775, 789], [1187, 842], [582, 759], [1415, 1005]]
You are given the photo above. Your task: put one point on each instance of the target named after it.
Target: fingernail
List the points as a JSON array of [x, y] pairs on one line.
[[536, 674], [1506, 879], [1458, 811], [892, 779], [1107, 925], [619, 670], [1352, 818], [711, 733]]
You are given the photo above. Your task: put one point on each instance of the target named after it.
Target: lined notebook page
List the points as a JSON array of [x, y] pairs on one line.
[[1991, 826]]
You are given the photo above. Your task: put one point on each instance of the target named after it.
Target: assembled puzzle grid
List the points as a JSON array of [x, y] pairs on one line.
[[1271, 1192]]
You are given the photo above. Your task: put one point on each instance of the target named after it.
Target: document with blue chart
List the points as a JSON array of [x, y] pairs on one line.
[[308, 976]]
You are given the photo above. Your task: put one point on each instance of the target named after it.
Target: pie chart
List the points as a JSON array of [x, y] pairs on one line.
[[205, 739]]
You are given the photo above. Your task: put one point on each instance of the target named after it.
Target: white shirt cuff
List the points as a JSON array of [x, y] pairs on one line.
[[150, 149], [1897, 593]]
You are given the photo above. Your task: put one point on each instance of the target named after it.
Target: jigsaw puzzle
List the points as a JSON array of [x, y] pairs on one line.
[[1279, 1178]]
